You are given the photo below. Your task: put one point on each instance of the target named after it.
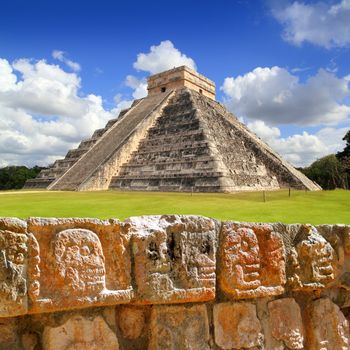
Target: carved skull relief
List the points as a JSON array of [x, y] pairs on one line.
[[194, 259], [175, 258], [241, 263], [252, 260], [152, 263], [13, 254], [80, 262], [312, 261]]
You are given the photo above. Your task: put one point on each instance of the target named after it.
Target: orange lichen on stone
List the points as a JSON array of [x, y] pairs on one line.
[[236, 325], [252, 261], [83, 262], [13, 266], [286, 323], [327, 328]]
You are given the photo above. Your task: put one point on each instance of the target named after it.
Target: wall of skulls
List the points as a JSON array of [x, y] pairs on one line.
[[173, 282]]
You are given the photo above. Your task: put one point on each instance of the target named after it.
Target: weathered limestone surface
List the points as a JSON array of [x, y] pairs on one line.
[[13, 265], [150, 283], [82, 261], [80, 333], [175, 258], [176, 327], [252, 261], [327, 327], [237, 326], [286, 323]]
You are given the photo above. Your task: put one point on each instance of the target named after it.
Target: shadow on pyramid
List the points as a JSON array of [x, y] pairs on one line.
[[178, 138]]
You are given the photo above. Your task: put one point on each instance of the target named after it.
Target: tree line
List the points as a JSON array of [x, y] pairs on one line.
[[14, 177], [332, 171]]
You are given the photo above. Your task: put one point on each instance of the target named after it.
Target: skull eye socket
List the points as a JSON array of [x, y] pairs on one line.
[[205, 247], [84, 250], [153, 253]]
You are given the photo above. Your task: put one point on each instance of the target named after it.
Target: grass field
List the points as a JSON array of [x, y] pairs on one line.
[[302, 207]]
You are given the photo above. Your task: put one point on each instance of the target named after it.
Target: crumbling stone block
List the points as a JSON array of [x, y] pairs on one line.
[[237, 326], [179, 327], [13, 265], [252, 261], [78, 263], [327, 328], [131, 321], [175, 258], [80, 333], [286, 323]]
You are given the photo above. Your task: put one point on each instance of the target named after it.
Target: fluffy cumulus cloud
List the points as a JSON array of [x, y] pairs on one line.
[[325, 24], [276, 96], [42, 113], [138, 85], [303, 148], [159, 58], [162, 57]]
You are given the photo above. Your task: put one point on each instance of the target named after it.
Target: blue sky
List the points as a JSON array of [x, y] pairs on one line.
[[66, 67]]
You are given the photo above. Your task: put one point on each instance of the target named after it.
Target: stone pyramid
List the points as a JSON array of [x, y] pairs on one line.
[[178, 138]]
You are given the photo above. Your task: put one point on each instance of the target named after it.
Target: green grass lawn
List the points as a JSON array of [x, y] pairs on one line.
[[302, 207]]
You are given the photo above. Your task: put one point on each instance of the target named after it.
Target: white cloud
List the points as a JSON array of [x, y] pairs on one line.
[[61, 56], [278, 97], [304, 148], [138, 85], [162, 57], [323, 24], [42, 114]]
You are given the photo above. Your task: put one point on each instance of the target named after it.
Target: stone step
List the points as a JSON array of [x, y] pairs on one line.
[[107, 145]]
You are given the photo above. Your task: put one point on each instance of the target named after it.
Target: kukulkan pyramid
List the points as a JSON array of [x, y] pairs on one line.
[[178, 138]]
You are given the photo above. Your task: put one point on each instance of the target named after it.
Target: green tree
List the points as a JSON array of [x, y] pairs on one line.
[[328, 172], [14, 177], [344, 156]]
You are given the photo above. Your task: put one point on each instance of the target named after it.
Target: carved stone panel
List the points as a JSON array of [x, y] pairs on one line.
[[80, 333], [13, 265], [179, 328], [311, 262], [285, 322], [327, 328], [78, 263], [237, 326], [174, 258], [252, 261]]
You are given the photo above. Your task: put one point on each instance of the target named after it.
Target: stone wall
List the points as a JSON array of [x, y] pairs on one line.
[[173, 282]]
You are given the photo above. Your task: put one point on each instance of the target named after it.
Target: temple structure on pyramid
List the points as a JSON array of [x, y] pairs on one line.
[[178, 138]]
